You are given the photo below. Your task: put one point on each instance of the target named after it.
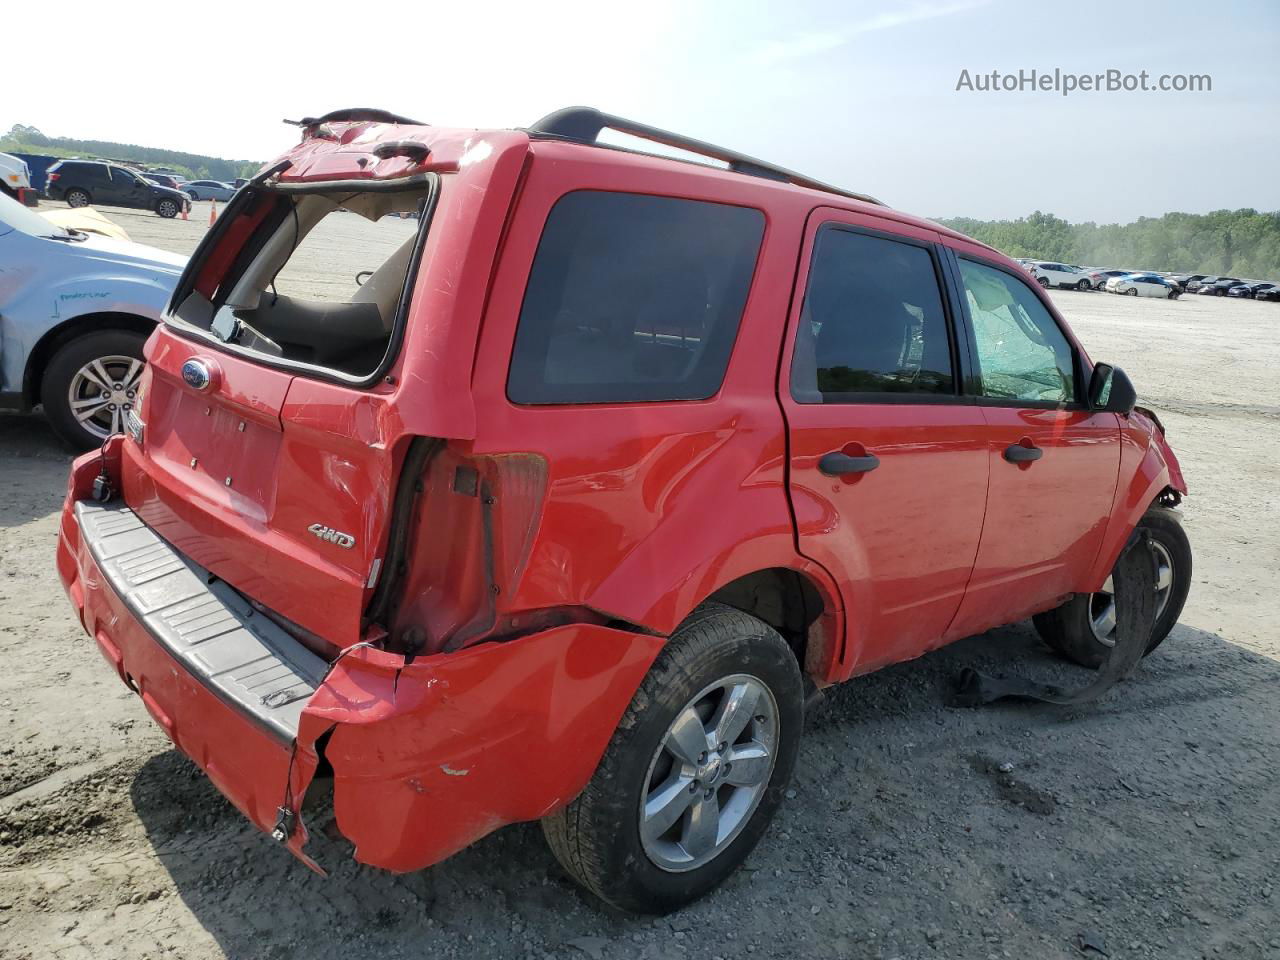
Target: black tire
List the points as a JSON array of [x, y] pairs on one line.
[[76, 197], [1131, 292], [1043, 281], [597, 837], [1082, 286], [62, 369], [1069, 628], [167, 208]]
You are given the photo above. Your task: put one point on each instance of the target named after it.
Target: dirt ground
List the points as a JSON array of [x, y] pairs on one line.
[[1147, 825]]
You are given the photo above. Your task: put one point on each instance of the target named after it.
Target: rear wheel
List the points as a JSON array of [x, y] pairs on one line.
[[77, 198], [1083, 629], [1082, 285], [694, 772], [167, 208], [91, 384]]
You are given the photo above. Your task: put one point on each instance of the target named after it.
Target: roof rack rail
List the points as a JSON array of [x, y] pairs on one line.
[[583, 125]]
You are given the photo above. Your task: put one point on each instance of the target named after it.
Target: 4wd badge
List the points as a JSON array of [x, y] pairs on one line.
[[330, 535]]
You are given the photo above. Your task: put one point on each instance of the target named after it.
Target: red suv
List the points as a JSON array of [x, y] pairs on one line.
[[562, 511]]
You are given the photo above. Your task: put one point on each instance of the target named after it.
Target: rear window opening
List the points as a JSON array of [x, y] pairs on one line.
[[322, 281]]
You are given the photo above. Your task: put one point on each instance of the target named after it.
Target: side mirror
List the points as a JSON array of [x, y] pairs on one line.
[[1111, 390]]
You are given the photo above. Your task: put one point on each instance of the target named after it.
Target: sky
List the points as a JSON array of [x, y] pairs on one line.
[[860, 94]]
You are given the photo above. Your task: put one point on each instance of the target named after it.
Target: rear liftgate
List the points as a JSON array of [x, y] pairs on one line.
[[1135, 582]]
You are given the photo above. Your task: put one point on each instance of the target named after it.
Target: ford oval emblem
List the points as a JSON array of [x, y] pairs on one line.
[[196, 374]]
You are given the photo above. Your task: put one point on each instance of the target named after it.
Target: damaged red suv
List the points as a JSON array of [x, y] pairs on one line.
[[560, 512]]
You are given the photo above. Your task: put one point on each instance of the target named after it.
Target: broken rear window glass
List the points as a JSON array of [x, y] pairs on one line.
[[320, 281]]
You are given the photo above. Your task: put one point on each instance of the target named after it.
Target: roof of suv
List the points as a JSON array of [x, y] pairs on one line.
[[338, 146]]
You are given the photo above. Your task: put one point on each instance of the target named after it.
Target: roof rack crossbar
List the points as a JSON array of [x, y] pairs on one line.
[[584, 125]]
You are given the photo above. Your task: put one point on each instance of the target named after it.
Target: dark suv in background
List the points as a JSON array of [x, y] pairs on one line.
[[82, 182]]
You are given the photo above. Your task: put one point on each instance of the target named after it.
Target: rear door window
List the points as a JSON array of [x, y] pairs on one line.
[[633, 298], [872, 322]]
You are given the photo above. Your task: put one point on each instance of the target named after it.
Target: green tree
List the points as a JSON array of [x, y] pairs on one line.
[[1243, 242]]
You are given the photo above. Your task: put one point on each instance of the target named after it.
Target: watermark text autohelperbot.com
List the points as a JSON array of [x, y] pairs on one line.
[[1064, 83]]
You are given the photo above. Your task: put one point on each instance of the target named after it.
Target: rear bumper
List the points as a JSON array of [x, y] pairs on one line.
[[427, 757]]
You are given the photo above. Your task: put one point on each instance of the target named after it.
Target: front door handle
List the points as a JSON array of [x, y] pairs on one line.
[[1018, 453], [836, 463]]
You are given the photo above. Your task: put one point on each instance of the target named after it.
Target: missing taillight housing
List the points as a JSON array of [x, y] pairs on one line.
[[472, 532]]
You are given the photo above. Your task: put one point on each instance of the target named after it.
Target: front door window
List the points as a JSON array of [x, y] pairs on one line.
[[1022, 354]]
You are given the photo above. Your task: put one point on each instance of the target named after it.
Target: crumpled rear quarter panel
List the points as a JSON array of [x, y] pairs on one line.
[[429, 757]]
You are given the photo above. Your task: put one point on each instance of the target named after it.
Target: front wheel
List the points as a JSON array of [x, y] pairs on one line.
[[1131, 292], [1082, 286], [695, 770], [91, 384], [1043, 281], [167, 208], [1084, 628]]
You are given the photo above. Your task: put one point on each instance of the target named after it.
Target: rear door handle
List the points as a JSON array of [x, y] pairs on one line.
[[835, 463], [1017, 453]]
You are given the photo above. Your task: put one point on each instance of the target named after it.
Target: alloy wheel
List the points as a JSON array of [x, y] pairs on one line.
[[102, 392], [709, 774], [1102, 605]]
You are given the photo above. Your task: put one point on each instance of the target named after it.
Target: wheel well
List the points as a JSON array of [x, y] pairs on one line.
[[785, 599], [64, 333]]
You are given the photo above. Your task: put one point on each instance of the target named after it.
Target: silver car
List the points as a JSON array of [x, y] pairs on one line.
[[75, 309], [209, 190]]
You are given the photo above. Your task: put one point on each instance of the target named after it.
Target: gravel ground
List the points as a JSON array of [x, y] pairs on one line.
[[1145, 825]]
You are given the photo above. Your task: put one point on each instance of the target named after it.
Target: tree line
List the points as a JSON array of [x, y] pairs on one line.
[[1239, 243], [25, 139]]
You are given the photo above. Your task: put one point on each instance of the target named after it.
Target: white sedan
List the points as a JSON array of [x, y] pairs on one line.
[[1143, 285]]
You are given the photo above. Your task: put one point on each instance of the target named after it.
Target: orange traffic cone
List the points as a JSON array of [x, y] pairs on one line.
[[213, 210], [185, 207]]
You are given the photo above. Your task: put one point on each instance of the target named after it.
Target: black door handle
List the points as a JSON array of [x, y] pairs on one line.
[[1017, 453], [835, 464]]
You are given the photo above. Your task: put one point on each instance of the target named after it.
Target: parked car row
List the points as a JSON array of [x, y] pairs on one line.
[[82, 182], [1145, 283], [1231, 287]]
